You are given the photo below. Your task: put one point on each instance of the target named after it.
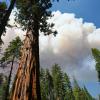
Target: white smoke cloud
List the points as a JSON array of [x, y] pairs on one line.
[[71, 48], [94, 39]]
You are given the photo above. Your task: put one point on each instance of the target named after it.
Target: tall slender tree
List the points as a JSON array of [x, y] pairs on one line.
[[42, 84], [59, 90], [68, 88], [46, 83], [11, 53], [3, 84], [77, 90], [49, 85]]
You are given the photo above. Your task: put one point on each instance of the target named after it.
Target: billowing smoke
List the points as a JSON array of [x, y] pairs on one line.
[[71, 48]]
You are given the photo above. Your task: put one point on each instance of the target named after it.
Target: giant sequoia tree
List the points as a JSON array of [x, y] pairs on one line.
[[32, 15]]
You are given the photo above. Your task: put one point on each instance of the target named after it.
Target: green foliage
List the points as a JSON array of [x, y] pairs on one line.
[[87, 95], [52, 84], [13, 49], [58, 82], [3, 6], [33, 15], [68, 88], [49, 85], [42, 81], [56, 85], [46, 85], [3, 84], [77, 90], [96, 54], [11, 52], [81, 93]]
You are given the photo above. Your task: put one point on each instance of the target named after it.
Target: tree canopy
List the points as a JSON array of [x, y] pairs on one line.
[[33, 15], [13, 49]]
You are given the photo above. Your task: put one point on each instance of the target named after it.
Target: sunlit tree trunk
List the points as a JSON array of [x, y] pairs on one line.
[[26, 85]]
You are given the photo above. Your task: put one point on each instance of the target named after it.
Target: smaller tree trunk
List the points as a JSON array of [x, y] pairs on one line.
[[9, 80]]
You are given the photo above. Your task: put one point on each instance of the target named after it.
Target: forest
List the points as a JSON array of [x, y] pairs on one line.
[[24, 77]]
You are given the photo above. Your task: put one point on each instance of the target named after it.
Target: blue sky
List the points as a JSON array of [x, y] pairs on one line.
[[89, 10], [93, 87]]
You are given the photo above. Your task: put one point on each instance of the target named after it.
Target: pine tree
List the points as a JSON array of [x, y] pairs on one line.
[[11, 53], [3, 85], [77, 91], [81, 93], [46, 83], [68, 88], [42, 84], [49, 85], [58, 82], [96, 54]]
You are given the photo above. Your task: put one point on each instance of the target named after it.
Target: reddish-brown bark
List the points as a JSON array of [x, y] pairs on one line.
[[26, 85]]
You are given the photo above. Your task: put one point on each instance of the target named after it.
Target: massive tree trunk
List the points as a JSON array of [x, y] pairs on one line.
[[26, 85]]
